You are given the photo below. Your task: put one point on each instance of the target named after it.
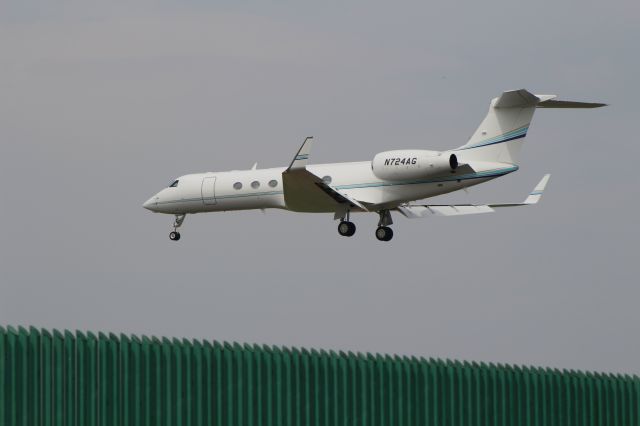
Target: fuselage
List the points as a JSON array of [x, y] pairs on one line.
[[392, 181], [263, 188]]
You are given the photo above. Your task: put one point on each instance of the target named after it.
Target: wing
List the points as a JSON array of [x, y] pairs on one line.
[[417, 211], [306, 192]]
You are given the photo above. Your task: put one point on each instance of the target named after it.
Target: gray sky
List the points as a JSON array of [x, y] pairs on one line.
[[103, 103]]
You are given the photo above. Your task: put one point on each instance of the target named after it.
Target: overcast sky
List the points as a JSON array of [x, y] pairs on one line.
[[104, 103]]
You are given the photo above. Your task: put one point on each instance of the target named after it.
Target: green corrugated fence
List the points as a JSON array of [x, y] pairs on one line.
[[83, 379]]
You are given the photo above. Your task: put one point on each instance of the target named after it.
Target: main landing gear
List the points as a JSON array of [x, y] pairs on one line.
[[384, 233], [175, 235], [346, 228]]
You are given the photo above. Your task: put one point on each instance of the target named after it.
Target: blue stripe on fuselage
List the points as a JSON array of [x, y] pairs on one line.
[[475, 175]]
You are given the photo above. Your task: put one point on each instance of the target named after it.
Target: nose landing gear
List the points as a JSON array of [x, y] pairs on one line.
[[175, 235]]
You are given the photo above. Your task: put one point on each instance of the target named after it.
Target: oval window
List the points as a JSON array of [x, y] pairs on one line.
[[237, 185], [327, 179], [255, 184], [273, 183]]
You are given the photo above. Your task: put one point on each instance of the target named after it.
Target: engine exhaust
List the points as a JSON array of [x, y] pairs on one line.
[[453, 162]]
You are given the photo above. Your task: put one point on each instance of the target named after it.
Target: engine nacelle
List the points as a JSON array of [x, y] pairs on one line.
[[410, 164]]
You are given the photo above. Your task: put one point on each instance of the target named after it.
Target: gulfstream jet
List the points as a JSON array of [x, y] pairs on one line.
[[392, 182]]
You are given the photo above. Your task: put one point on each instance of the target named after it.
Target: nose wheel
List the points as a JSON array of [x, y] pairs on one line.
[[175, 235]]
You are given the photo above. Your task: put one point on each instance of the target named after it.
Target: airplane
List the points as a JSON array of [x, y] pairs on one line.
[[392, 182]]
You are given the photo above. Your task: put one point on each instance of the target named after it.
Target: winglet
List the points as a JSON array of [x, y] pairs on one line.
[[299, 162], [533, 198], [536, 194]]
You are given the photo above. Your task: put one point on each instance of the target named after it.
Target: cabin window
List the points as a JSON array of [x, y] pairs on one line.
[[237, 185], [327, 180], [255, 184], [273, 183], [174, 184]]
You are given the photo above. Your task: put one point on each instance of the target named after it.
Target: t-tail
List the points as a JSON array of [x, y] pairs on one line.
[[502, 132]]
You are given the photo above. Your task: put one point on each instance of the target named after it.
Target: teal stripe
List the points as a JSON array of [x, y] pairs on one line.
[[496, 139], [479, 175]]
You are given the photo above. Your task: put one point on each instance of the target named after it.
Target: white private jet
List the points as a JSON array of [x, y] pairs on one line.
[[392, 181]]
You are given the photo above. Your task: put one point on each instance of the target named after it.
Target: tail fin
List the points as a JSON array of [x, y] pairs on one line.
[[501, 134]]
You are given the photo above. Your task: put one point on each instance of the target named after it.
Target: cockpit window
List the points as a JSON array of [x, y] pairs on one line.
[[174, 184]]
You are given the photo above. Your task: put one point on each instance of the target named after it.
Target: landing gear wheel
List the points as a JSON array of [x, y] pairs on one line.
[[384, 233], [175, 235], [346, 229]]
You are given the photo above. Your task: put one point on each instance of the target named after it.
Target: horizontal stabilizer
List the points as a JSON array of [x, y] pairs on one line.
[[569, 104], [523, 98]]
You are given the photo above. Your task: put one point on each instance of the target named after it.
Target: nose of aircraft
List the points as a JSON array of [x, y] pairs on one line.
[[151, 203]]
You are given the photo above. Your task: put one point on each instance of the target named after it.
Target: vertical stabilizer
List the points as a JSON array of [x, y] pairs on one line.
[[501, 134]]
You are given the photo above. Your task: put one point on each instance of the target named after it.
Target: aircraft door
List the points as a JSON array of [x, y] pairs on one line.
[[208, 190]]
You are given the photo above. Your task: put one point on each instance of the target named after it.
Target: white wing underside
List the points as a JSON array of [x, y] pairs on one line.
[[414, 211]]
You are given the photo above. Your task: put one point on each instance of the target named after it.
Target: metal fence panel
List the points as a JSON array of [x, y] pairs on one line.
[[77, 379]]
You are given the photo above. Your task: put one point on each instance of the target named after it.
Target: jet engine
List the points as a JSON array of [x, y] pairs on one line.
[[412, 164]]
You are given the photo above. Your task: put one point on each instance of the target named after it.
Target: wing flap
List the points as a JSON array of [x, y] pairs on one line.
[[414, 211], [339, 196]]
